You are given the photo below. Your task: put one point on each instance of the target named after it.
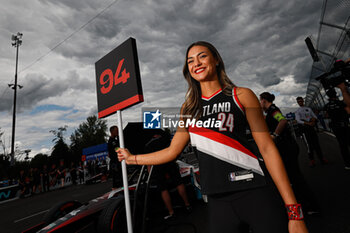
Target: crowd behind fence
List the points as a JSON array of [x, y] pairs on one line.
[[34, 180]]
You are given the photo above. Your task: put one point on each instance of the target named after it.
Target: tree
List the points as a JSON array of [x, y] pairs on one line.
[[39, 160], [2, 142], [89, 133], [4, 158], [60, 149]]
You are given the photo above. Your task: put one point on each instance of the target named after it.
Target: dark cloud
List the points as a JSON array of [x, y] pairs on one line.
[[32, 92], [37, 87], [78, 5], [76, 82], [302, 70], [268, 35], [103, 28], [267, 77], [243, 31], [261, 42], [160, 25]]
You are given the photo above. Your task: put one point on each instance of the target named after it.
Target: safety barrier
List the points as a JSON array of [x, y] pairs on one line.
[[9, 193]]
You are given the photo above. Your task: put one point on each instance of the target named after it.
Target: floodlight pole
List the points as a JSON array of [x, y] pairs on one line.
[[16, 43], [125, 175]]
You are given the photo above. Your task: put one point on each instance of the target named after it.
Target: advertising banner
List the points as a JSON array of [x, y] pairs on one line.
[[7, 193]]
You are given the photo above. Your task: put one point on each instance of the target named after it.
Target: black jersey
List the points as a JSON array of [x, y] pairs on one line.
[[273, 117], [113, 143], [226, 160], [270, 120]]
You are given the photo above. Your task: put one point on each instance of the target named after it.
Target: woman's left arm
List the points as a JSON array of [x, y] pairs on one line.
[[269, 151]]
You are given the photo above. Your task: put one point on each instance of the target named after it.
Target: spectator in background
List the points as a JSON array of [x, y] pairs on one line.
[[338, 113], [31, 180], [90, 168], [97, 166], [307, 119], [53, 174], [93, 167], [114, 165], [61, 173], [103, 166], [36, 181], [22, 183], [45, 177], [167, 171], [289, 151], [73, 173], [81, 173]]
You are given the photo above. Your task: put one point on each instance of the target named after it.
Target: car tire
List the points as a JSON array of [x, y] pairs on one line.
[[113, 217], [59, 210]]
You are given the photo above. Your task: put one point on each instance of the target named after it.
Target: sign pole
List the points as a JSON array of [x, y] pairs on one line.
[[118, 85], [125, 175]]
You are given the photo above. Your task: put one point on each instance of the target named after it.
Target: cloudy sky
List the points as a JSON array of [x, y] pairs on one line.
[[261, 42]]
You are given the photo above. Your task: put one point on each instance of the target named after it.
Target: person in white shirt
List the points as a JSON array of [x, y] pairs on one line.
[[307, 120]]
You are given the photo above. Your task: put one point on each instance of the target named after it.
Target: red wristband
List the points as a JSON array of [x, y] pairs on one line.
[[295, 212]]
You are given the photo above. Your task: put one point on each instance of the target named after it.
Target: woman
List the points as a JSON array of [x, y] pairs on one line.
[[289, 150], [231, 175]]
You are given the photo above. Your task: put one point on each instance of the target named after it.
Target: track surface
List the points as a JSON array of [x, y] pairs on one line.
[[330, 183]]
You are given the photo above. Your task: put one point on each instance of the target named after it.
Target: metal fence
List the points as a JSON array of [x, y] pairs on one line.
[[332, 43]]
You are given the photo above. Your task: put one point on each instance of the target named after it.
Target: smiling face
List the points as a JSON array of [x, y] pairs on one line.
[[201, 63], [300, 101]]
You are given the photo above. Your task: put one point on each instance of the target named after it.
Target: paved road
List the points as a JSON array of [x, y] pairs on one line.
[[330, 183]]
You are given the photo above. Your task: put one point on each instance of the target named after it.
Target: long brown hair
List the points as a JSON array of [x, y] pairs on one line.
[[192, 105]]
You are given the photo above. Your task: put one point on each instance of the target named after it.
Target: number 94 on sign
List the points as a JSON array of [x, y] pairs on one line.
[[108, 79]]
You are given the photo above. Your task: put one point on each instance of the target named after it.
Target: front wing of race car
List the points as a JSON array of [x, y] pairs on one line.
[[75, 217], [80, 217]]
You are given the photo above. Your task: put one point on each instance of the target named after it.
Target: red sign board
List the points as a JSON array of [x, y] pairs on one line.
[[118, 79]]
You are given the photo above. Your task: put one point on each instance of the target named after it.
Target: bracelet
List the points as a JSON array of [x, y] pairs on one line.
[[135, 160], [294, 212], [275, 134]]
